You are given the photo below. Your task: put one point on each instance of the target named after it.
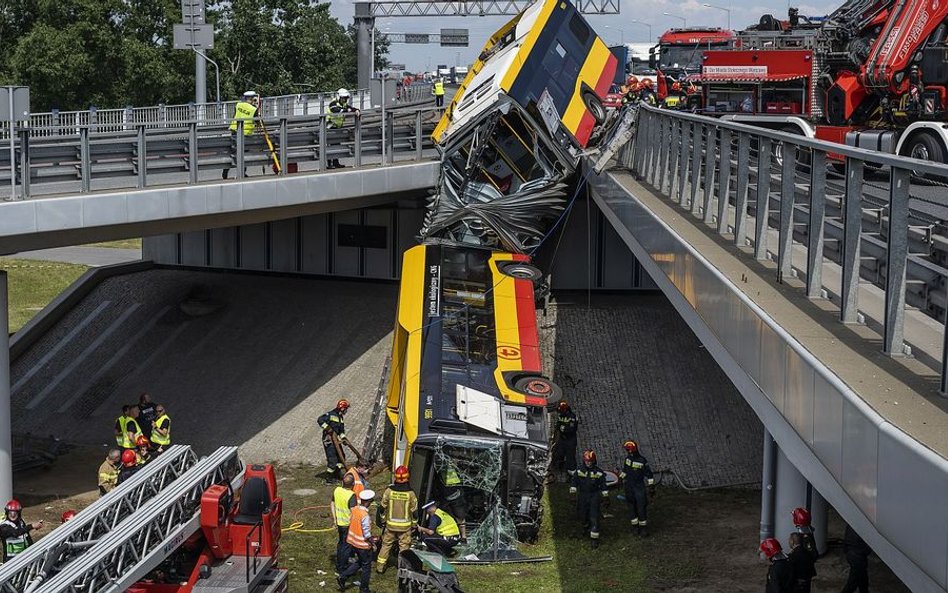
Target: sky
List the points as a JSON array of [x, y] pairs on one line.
[[614, 29]]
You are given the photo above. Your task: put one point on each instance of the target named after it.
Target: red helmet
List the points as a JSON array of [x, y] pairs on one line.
[[129, 458], [141, 441], [562, 406], [676, 86], [801, 517], [401, 474], [14, 505], [68, 515], [589, 456], [632, 81], [647, 83], [631, 446], [770, 547], [342, 404]]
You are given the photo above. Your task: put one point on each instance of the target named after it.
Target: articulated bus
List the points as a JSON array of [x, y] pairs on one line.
[[465, 380]]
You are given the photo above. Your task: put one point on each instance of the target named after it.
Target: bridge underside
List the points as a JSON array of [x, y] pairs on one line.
[[850, 419]]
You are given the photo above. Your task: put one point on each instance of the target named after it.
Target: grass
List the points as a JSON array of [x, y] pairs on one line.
[[622, 563], [120, 244], [33, 284]]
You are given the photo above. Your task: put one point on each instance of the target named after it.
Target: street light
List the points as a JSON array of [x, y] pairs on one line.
[[727, 10], [684, 23], [621, 33], [647, 25]]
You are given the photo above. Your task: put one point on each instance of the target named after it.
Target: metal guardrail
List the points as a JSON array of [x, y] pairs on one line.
[[161, 116], [144, 155], [713, 168]]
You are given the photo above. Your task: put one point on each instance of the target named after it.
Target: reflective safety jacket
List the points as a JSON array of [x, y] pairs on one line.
[[360, 528], [157, 438], [129, 443], [120, 433], [567, 424], [16, 537], [343, 500], [439, 89], [246, 112], [358, 484], [336, 108], [332, 422], [636, 471], [401, 507], [589, 480], [448, 527]]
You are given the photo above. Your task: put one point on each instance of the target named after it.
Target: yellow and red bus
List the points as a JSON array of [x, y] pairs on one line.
[[465, 388]]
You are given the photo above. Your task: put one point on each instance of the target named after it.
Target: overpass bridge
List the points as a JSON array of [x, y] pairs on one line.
[[820, 296]]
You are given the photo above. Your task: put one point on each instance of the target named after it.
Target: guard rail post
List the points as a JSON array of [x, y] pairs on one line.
[[24, 163], [710, 168], [682, 168], [323, 148], [240, 148], [673, 153], [142, 156], [390, 137], [418, 135], [787, 195], [814, 250], [724, 187], [762, 211], [663, 142], [896, 255], [85, 164], [740, 198], [192, 152], [284, 138], [852, 229], [697, 150], [357, 140]]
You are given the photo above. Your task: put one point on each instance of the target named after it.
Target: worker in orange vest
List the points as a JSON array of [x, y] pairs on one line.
[[359, 483], [362, 542]]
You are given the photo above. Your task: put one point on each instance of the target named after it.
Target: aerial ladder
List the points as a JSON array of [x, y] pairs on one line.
[[211, 526]]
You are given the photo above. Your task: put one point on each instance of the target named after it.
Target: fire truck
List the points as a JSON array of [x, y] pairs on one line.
[[678, 54], [872, 74]]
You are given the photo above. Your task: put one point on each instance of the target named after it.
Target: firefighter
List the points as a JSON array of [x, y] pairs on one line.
[[246, 112], [857, 556], [441, 534], [564, 439], [14, 531], [68, 516], [589, 482], [637, 476], [779, 574], [455, 501], [129, 465], [400, 506], [161, 430], [362, 542], [633, 88], [438, 91], [341, 104], [334, 434], [343, 499], [109, 471], [801, 564], [647, 95], [142, 454], [801, 521]]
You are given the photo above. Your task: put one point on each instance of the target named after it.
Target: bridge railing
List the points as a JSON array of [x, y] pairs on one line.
[[83, 159], [749, 182]]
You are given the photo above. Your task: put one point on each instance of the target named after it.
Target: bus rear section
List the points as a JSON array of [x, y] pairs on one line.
[[466, 396]]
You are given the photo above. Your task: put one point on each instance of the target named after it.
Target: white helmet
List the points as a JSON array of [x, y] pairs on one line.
[[343, 93], [250, 94]]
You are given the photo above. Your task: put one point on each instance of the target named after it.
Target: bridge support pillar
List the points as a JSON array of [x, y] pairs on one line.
[[6, 439], [364, 24], [792, 490]]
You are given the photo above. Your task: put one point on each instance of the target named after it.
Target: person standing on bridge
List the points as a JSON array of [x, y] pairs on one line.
[[15, 532], [564, 441], [589, 483], [109, 471], [147, 410], [801, 564], [245, 111], [132, 430], [334, 436], [637, 476], [647, 95], [161, 430], [129, 465], [438, 91], [120, 426], [341, 104], [801, 520]]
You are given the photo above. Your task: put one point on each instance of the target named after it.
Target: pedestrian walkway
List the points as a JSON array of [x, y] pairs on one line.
[[86, 256]]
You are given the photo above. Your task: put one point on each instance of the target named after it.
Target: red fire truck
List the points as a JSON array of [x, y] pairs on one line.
[[678, 54]]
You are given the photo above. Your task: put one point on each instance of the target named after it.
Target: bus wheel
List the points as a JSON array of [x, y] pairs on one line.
[[537, 386], [522, 271], [594, 105]]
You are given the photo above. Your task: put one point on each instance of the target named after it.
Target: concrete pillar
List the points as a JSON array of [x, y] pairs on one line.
[[6, 440], [364, 23], [794, 491]]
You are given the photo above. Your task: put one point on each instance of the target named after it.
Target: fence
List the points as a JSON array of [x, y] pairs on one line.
[[732, 175]]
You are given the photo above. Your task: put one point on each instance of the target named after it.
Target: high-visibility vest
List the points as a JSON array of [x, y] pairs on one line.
[[340, 499], [157, 438], [448, 526], [14, 545], [438, 89], [356, 537], [120, 437], [398, 514], [451, 477], [357, 484], [246, 112], [126, 442], [336, 120]]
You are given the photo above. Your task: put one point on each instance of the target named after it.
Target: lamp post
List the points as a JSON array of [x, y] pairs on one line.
[[621, 33], [646, 24], [727, 10], [684, 23]]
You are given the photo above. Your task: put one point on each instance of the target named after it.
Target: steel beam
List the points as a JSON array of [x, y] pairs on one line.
[[439, 8]]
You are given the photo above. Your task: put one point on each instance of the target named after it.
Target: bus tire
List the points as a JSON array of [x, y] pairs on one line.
[[536, 386], [924, 146], [522, 271], [594, 105]]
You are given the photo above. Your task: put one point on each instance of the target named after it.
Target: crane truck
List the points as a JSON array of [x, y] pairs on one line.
[[873, 74]]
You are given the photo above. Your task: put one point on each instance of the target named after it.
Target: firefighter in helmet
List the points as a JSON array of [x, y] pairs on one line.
[[589, 484], [334, 434], [400, 508], [14, 531], [637, 476]]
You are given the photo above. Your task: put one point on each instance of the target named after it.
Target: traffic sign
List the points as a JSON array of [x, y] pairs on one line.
[[193, 36], [416, 38], [20, 103], [192, 9], [454, 37]]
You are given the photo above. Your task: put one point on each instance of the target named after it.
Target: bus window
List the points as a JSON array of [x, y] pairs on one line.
[[579, 29]]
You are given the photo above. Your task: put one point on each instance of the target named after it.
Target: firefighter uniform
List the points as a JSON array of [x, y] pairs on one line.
[[589, 482], [400, 506], [802, 567], [637, 476], [567, 425], [108, 477], [647, 96], [332, 424], [779, 575], [16, 537], [343, 500]]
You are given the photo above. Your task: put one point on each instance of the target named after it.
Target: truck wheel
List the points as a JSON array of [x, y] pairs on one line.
[[594, 105], [924, 147], [803, 155]]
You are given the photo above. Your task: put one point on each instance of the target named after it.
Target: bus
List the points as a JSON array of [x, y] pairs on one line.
[[530, 105], [466, 396]]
